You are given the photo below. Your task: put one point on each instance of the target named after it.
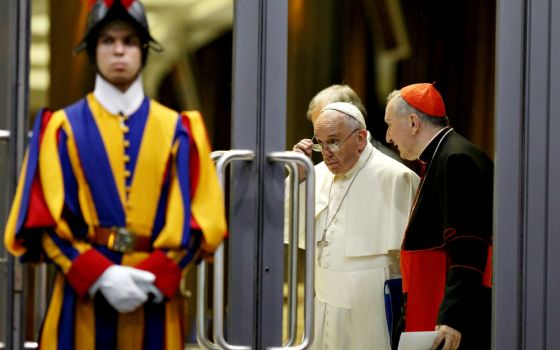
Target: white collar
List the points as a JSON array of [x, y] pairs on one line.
[[114, 100]]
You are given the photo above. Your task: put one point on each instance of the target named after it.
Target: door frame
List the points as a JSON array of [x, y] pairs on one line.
[[527, 195]]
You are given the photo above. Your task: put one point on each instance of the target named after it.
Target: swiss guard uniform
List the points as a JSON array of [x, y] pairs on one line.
[[446, 252], [100, 188]]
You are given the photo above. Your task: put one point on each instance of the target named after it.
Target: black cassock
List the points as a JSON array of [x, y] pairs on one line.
[[446, 252]]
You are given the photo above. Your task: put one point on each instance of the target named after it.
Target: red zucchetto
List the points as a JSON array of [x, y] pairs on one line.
[[425, 98]]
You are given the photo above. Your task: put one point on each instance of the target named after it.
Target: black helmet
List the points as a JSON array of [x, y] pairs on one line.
[[104, 11]]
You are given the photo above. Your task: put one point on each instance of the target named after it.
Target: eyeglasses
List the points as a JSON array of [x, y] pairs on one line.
[[332, 145]]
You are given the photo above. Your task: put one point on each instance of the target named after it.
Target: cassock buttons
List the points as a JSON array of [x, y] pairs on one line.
[[126, 158], [126, 143], [127, 173], [125, 128]]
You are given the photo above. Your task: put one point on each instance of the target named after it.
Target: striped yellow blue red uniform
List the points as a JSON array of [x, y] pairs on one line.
[[149, 172]]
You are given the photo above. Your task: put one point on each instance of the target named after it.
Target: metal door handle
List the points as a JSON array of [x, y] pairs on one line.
[[201, 287], [4, 136], [223, 159], [293, 255], [290, 158], [201, 316]]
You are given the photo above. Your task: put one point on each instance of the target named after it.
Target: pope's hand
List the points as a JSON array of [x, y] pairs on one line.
[[304, 146], [119, 286]]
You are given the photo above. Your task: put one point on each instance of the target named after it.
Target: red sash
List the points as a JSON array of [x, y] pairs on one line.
[[424, 276]]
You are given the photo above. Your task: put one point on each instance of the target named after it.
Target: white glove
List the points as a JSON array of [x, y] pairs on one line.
[[118, 284], [150, 288]]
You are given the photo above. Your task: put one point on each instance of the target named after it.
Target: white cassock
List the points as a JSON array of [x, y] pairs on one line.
[[351, 269]]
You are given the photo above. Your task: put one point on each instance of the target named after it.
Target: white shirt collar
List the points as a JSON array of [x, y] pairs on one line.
[[114, 100]]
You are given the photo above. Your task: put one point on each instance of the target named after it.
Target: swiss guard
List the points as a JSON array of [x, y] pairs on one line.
[[120, 194]]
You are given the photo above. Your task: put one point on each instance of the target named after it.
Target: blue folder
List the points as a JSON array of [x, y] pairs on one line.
[[393, 300]]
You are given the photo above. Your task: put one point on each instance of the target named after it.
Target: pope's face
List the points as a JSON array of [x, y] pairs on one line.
[[118, 54], [331, 127], [399, 132]]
